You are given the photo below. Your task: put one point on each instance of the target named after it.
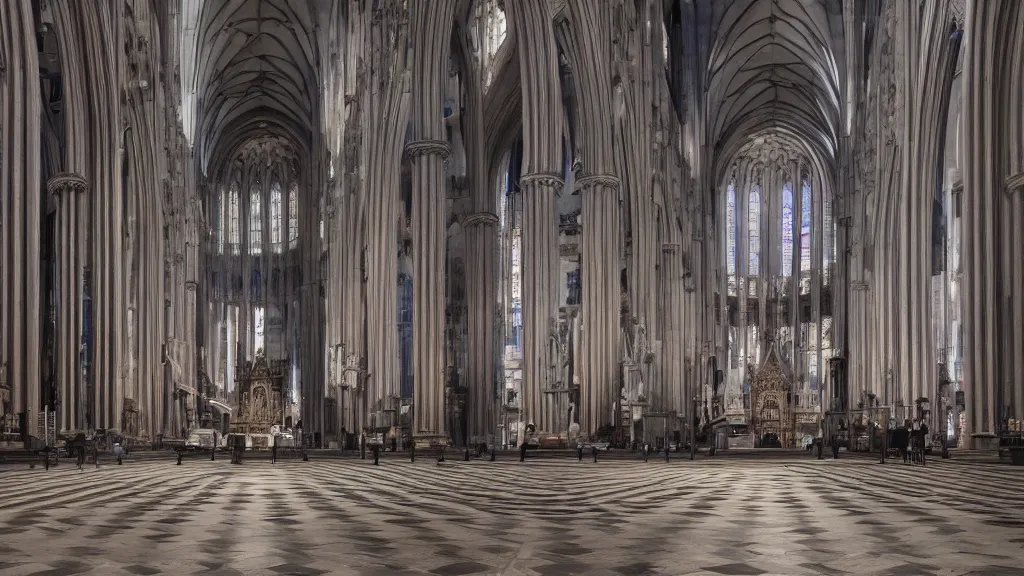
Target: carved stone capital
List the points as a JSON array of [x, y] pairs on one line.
[[670, 247], [190, 285], [480, 219], [549, 179], [860, 285], [591, 181], [427, 147], [66, 182]]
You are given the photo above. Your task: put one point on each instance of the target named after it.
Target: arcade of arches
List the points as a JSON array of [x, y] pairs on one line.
[[490, 221]]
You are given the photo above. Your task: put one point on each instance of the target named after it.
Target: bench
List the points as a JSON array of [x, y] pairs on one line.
[[30, 457]]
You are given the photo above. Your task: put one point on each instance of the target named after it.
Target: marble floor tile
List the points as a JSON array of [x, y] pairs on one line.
[[731, 517]]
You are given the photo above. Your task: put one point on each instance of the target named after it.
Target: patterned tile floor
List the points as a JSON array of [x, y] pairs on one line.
[[717, 517]]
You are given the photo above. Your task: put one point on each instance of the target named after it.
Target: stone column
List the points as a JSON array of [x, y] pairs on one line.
[[20, 209], [993, 185], [69, 188], [430, 37], [599, 279], [540, 287], [927, 73], [429, 243], [481, 295], [586, 41], [540, 184], [387, 108]]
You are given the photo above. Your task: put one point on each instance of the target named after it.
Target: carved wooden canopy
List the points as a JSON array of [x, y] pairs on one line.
[[260, 395], [770, 388]]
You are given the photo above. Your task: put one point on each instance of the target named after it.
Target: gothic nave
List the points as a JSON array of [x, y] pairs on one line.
[[457, 222]]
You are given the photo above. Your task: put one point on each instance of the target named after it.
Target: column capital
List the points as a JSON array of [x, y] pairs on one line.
[[550, 179], [427, 147], [190, 285], [480, 219], [595, 180], [670, 247], [860, 285], [66, 182]]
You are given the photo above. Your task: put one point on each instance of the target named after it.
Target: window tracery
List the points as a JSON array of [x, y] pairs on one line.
[[219, 224], [233, 231], [255, 223], [754, 231], [730, 219], [293, 216], [787, 230], [805, 228], [276, 217]]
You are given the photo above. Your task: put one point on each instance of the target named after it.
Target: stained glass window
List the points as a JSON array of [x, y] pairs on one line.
[[276, 216], [258, 314], [730, 226], [293, 215], [234, 236], [517, 311], [787, 230], [829, 239], [219, 227], [255, 223], [805, 228], [754, 225]]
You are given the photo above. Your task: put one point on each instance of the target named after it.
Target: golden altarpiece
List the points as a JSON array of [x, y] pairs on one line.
[[261, 401], [771, 399]]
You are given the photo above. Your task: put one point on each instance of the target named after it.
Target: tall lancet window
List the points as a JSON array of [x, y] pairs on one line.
[[805, 228], [730, 227], [293, 215], [754, 231], [259, 339], [276, 217], [234, 235], [787, 230], [219, 211], [255, 223]]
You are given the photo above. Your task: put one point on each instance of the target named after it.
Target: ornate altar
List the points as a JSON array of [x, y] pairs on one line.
[[260, 386], [770, 399]]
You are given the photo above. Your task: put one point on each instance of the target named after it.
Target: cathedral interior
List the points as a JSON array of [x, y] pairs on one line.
[[465, 222]]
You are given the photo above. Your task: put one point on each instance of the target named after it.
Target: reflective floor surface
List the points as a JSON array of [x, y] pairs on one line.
[[735, 516]]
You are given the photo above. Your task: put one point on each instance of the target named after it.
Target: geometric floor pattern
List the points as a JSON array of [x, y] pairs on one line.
[[718, 517]]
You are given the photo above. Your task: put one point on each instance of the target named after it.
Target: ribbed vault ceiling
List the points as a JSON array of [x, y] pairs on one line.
[[773, 72], [256, 75]]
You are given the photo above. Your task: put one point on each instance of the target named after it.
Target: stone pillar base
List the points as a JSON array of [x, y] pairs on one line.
[[984, 442]]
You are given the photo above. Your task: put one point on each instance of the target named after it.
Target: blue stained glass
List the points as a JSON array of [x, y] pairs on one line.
[[805, 228], [730, 217], [754, 231], [787, 230]]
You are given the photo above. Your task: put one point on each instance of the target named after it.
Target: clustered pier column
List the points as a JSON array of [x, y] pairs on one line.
[[428, 152], [481, 293], [540, 184]]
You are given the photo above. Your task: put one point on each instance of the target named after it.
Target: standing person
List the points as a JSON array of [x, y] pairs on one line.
[[273, 452]]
